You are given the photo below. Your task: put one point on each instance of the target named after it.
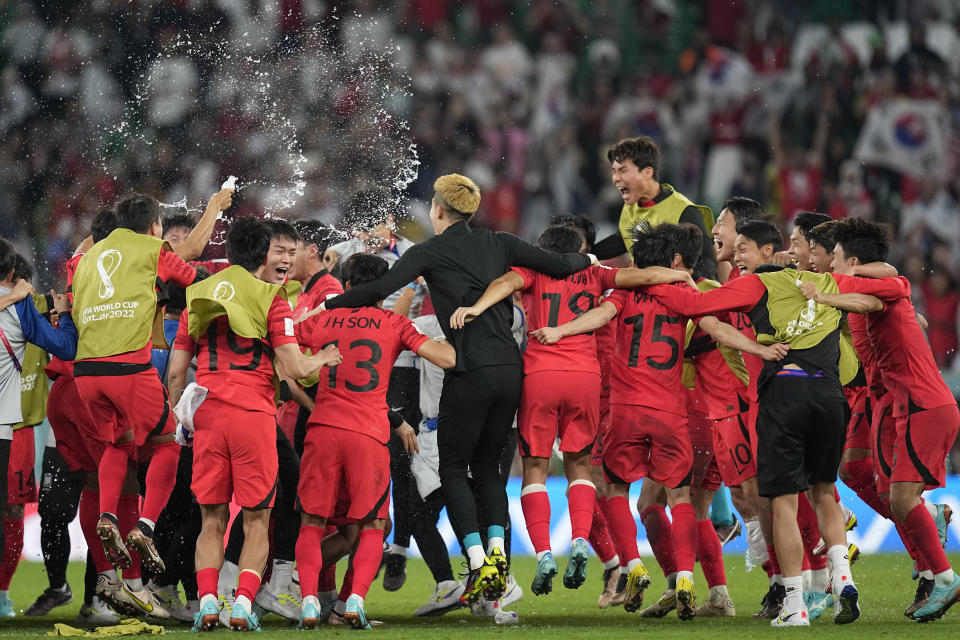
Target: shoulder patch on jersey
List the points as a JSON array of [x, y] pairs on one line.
[[288, 327]]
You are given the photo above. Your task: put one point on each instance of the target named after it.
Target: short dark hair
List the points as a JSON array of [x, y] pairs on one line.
[[174, 220], [824, 234], [866, 241], [363, 267], [22, 269], [8, 258], [807, 220], [761, 232], [769, 267], [248, 242], [652, 246], [368, 208], [314, 232], [688, 242], [104, 223], [177, 295], [137, 212], [744, 209], [642, 151], [584, 224], [280, 228], [560, 238]]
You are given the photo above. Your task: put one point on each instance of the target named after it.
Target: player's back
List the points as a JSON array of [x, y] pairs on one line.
[[648, 362]]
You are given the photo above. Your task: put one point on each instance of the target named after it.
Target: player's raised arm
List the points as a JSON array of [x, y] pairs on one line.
[[199, 236], [589, 321], [851, 302], [296, 365], [883, 288], [874, 270], [498, 290], [730, 337]]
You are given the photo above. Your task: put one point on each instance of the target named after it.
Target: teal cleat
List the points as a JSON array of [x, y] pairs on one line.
[[355, 616], [546, 569], [941, 599], [576, 573], [944, 515], [817, 602], [241, 620], [309, 614], [207, 619], [6, 608]]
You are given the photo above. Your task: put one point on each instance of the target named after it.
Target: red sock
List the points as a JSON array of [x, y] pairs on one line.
[[805, 565], [921, 563], [623, 529], [248, 584], [310, 559], [836, 494], [536, 514], [128, 508], [367, 560], [207, 580], [600, 536], [328, 578], [580, 500], [685, 535], [774, 564], [863, 483], [13, 531], [809, 530], [347, 587], [161, 476], [921, 527], [89, 513], [660, 535], [711, 554], [111, 472]]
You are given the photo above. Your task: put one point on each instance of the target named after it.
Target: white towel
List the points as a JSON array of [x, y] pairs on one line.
[[191, 399]]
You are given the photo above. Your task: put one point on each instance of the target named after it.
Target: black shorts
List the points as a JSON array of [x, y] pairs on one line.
[[801, 430]]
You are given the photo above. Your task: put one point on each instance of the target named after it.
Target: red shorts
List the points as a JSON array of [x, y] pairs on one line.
[[735, 446], [558, 403], [883, 438], [339, 462], [858, 429], [234, 456], [118, 404], [706, 473], [21, 479], [646, 442], [596, 454], [72, 424], [924, 439]]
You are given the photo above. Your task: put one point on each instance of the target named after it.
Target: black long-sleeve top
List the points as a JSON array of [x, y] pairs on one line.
[[458, 265]]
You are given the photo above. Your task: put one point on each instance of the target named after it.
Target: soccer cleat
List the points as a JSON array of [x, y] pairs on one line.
[[309, 614], [96, 614], [846, 609], [169, 599], [226, 606], [396, 571], [50, 599], [512, 594], [637, 582], [940, 599], [479, 581], [137, 603], [106, 588], [611, 577], [576, 573], [728, 532], [543, 580], [6, 608], [112, 542], [795, 619], [666, 603], [355, 616], [496, 589], [242, 620], [150, 558], [849, 518], [207, 619], [686, 599], [944, 515], [772, 602], [285, 605], [817, 602], [446, 597], [620, 593], [717, 607], [853, 553], [924, 588]]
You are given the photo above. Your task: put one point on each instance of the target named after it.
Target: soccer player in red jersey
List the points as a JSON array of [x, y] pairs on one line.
[[236, 419], [926, 417], [647, 436], [561, 392], [345, 456]]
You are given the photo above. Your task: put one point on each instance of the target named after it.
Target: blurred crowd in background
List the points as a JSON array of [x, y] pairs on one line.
[[848, 107]]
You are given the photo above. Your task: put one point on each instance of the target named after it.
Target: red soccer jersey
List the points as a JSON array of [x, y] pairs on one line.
[[866, 352], [551, 302], [905, 359], [318, 288], [353, 395], [606, 344], [648, 361], [716, 384], [237, 370]]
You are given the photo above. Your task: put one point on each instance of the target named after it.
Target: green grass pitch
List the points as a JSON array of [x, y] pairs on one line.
[[884, 582]]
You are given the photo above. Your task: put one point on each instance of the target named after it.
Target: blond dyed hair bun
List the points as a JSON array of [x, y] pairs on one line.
[[458, 192]]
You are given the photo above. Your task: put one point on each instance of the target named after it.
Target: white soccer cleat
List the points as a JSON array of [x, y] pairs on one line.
[[96, 614], [169, 599], [138, 603], [275, 595], [446, 597]]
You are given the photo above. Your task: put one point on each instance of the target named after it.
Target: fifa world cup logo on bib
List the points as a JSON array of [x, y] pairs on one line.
[[224, 291], [107, 265]]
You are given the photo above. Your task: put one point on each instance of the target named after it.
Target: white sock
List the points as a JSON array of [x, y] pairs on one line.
[[149, 523], [4, 593], [309, 599], [718, 592], [632, 564], [134, 584], [685, 574], [111, 575], [624, 570], [243, 602], [931, 508], [357, 598], [540, 554], [927, 573], [397, 549], [208, 598], [495, 542], [611, 563], [793, 600], [475, 556], [944, 579], [776, 579], [819, 579], [805, 574], [840, 563]]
